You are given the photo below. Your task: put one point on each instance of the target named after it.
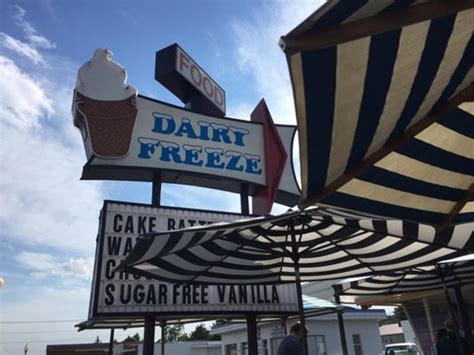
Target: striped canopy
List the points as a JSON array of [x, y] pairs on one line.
[[411, 280], [379, 87], [323, 243]]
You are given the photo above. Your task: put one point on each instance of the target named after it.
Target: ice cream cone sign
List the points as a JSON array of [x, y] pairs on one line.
[[132, 137], [104, 106]]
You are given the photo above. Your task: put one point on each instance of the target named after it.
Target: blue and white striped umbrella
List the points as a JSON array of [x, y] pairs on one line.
[[416, 279], [382, 91], [324, 244]]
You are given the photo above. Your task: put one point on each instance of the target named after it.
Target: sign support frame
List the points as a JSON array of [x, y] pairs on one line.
[[149, 328], [111, 341]]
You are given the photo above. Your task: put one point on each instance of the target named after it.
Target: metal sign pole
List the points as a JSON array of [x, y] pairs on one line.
[[252, 340], [163, 336], [244, 199], [342, 331], [111, 341], [149, 331], [149, 336]]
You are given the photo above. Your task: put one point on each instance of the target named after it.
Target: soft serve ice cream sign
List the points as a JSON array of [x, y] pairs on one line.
[[200, 143], [132, 137]]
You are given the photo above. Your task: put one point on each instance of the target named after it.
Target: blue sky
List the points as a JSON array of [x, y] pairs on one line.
[[48, 218]]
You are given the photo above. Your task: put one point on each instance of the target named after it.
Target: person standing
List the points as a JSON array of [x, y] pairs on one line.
[[447, 343], [291, 344]]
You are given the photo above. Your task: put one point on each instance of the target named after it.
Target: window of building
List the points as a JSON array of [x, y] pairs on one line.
[[357, 344], [274, 344], [265, 349], [317, 345], [231, 349], [244, 348]]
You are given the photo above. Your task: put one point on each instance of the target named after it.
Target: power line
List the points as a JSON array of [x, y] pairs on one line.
[[40, 321]]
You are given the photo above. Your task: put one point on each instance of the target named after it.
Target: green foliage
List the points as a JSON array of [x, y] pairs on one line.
[[214, 337], [397, 316], [200, 333], [175, 333], [399, 313]]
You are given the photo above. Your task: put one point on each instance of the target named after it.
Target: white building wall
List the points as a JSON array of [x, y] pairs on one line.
[[186, 348], [326, 326], [408, 332]]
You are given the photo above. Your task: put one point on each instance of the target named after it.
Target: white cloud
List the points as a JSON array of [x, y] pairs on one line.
[[258, 54], [34, 38], [42, 265], [241, 111], [23, 102], [21, 48], [43, 201]]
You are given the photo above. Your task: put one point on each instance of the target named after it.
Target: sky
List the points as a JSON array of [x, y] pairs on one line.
[[48, 217]]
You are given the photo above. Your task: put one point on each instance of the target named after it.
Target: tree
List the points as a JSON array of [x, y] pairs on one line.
[[175, 333], [97, 340], [397, 316], [214, 337], [399, 313], [200, 333]]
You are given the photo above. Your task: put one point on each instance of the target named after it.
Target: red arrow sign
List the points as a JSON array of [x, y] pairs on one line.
[[275, 159]]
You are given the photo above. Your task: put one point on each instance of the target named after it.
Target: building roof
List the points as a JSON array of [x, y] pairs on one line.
[[390, 329], [350, 313], [83, 346]]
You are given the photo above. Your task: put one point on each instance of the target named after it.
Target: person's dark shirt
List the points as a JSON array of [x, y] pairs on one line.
[[290, 346], [447, 344]]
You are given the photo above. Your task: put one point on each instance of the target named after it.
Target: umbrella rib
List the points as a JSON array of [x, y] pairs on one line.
[[352, 256], [283, 257], [272, 242], [388, 148], [457, 208], [224, 257], [405, 273], [417, 239], [199, 273], [318, 246], [455, 276]]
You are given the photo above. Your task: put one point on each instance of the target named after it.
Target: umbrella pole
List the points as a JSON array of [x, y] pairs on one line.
[[452, 316], [252, 334], [299, 295], [163, 336], [429, 321], [464, 317], [342, 331]]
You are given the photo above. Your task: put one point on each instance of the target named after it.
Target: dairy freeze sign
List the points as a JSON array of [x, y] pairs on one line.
[[171, 138], [120, 293], [132, 137]]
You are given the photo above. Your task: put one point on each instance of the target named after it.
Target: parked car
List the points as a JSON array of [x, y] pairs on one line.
[[402, 349]]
